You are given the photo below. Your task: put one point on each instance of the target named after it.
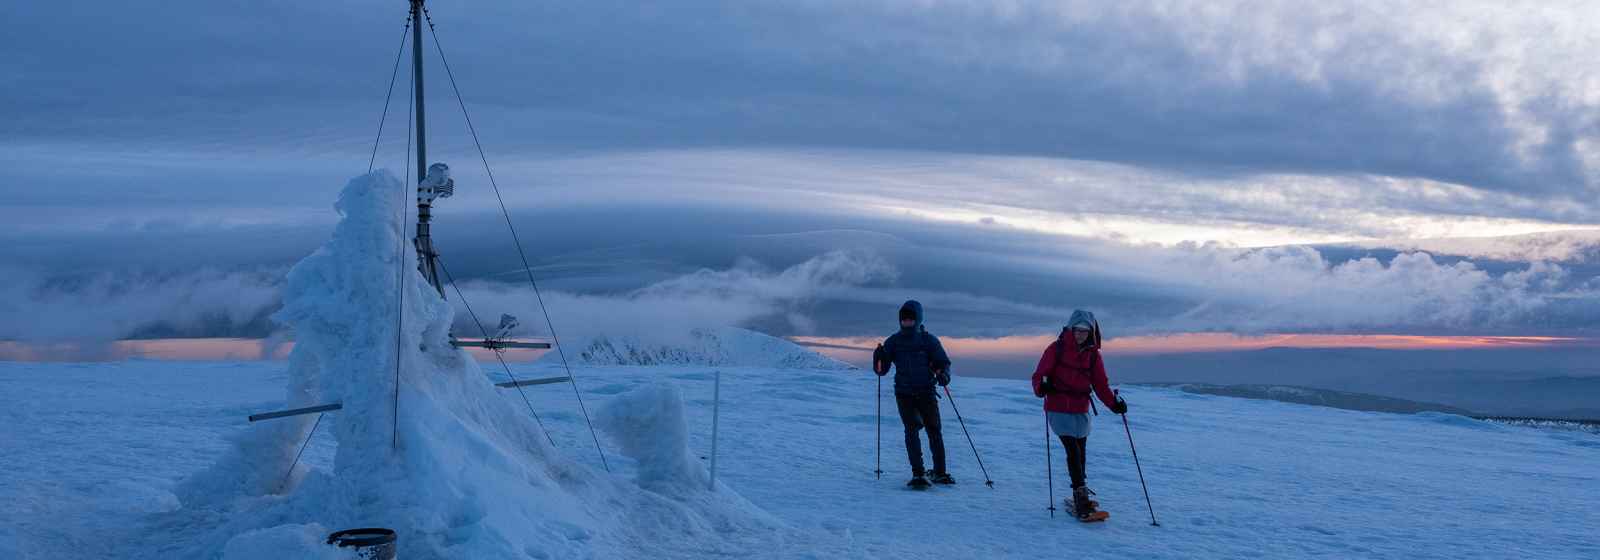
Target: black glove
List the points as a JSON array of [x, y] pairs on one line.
[[880, 361], [1119, 407], [1045, 386], [942, 376]]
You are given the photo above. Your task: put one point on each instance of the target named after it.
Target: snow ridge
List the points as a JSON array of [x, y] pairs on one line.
[[721, 347]]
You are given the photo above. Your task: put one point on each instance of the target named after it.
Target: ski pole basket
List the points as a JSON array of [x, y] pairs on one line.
[[371, 543]]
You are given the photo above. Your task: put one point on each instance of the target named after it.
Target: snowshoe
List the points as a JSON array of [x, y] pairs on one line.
[[1084, 508], [1067, 503], [919, 482], [943, 478]]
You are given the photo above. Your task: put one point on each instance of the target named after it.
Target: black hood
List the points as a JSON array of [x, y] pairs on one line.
[[913, 308]]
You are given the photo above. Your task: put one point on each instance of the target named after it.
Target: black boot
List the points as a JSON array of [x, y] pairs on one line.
[[941, 477], [1082, 506], [919, 482]]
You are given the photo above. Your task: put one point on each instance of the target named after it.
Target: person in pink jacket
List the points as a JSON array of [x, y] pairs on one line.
[[1068, 372]]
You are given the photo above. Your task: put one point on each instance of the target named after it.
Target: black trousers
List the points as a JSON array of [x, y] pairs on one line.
[[1077, 457], [917, 412]]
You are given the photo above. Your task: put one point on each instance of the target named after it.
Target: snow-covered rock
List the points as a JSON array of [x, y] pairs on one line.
[[724, 347], [648, 424]]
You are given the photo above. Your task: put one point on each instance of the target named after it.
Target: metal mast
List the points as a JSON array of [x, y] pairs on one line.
[[416, 68], [431, 182]]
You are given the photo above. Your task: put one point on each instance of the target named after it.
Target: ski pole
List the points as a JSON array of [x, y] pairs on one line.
[[986, 480], [878, 462], [1135, 452], [1049, 468]]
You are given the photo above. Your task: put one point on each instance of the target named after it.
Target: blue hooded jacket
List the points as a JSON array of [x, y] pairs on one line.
[[915, 354]]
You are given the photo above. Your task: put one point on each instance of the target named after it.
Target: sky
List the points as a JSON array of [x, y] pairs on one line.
[[1249, 168]]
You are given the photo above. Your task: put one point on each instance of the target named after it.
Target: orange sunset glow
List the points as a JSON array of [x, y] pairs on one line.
[[191, 349], [843, 348], [1211, 342]]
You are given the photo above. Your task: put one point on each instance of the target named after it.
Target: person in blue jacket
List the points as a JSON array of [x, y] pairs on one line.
[[919, 363]]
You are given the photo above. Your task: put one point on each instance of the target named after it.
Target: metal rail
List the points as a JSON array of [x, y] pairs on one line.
[[526, 382], [296, 412], [497, 344]]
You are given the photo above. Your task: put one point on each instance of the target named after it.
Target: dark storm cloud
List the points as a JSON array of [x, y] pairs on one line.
[[162, 157], [1210, 89]]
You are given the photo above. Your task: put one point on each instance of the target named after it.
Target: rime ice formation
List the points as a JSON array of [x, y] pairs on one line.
[[721, 347], [457, 469]]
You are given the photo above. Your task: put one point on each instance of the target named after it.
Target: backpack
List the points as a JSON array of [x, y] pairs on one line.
[[918, 343]]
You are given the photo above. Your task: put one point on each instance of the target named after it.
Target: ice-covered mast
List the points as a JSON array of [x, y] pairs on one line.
[[432, 181]]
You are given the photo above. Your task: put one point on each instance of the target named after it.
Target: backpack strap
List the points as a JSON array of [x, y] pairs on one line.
[[1093, 361]]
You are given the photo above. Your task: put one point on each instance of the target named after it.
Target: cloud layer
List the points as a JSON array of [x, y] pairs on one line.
[[108, 306], [1481, 94], [1297, 289], [1163, 162], [1008, 288], [738, 296]]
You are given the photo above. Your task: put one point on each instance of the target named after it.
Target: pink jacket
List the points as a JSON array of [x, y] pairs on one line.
[[1072, 375]]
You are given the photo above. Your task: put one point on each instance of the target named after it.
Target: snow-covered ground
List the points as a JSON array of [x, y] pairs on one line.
[[92, 453]]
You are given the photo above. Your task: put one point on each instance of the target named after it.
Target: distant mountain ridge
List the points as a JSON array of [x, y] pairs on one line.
[[721, 346], [1317, 397], [1548, 382], [1373, 403]]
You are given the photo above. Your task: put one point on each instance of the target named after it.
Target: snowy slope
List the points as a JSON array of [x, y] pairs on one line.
[[93, 469]]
